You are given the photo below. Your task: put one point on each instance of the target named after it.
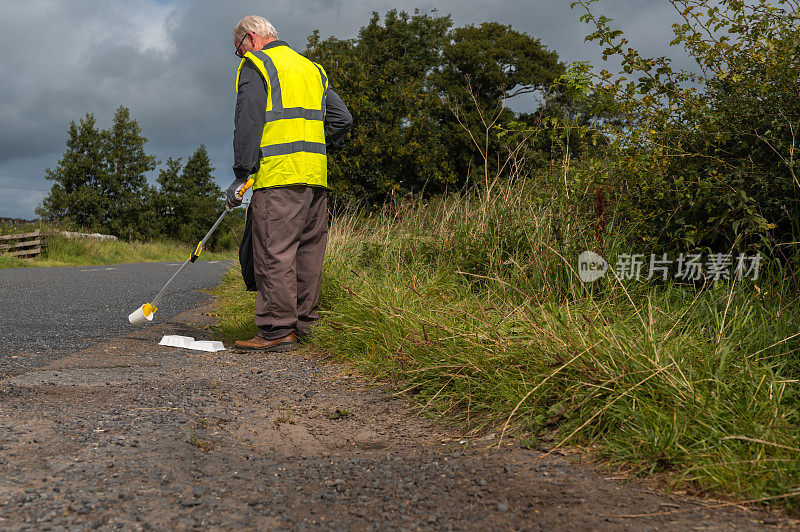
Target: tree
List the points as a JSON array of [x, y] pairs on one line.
[[498, 61], [130, 209], [76, 198], [396, 143], [402, 77], [100, 181], [482, 67], [189, 199]]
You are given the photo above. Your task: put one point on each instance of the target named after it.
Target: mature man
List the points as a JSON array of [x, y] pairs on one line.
[[285, 113]]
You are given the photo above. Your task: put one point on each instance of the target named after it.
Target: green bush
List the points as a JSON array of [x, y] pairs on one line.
[[705, 159]]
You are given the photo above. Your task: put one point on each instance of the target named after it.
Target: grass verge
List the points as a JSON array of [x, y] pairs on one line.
[[63, 251], [472, 307]]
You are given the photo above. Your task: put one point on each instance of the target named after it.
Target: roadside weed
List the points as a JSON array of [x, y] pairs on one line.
[[475, 310]]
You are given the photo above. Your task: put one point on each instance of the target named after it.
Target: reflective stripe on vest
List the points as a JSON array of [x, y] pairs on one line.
[[293, 141]]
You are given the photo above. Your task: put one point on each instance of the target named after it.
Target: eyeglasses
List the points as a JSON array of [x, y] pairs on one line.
[[238, 52]]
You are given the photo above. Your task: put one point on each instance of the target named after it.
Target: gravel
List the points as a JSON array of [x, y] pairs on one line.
[[130, 435]]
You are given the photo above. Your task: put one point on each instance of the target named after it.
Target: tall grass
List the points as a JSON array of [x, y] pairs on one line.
[[473, 307]]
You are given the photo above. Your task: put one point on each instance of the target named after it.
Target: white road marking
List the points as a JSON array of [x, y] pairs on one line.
[[214, 262]]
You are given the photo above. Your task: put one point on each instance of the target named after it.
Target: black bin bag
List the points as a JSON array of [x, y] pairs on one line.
[[246, 254]]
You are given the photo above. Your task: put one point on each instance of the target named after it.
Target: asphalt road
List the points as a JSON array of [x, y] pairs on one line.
[[48, 313]]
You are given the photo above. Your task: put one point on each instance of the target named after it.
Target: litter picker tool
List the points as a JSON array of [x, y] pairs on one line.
[[145, 313]]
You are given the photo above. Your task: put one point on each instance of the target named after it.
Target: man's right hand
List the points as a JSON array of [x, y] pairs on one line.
[[231, 199]]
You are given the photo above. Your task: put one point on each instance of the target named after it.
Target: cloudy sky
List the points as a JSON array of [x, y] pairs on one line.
[[171, 62]]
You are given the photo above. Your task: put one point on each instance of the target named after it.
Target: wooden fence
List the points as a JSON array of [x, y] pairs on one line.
[[22, 244]]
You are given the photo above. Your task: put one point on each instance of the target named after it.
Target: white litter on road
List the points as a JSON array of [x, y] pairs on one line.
[[187, 342]]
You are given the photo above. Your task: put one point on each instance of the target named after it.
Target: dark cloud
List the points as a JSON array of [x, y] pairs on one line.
[[172, 64]]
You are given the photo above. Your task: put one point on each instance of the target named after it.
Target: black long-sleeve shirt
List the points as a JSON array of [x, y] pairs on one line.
[[250, 117]]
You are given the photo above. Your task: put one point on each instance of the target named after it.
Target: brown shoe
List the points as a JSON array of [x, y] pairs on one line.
[[287, 343]]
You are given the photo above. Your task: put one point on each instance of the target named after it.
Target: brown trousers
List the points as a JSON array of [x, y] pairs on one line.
[[290, 231]]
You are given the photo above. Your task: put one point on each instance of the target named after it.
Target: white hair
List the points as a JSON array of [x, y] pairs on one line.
[[258, 25]]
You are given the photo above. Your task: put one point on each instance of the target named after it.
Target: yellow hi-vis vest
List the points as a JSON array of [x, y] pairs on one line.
[[293, 140]]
